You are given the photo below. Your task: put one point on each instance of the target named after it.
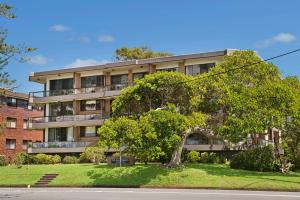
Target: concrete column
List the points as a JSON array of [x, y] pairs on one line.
[[77, 80], [107, 78], [181, 67], [76, 107], [130, 77], [152, 68], [76, 133], [107, 106]]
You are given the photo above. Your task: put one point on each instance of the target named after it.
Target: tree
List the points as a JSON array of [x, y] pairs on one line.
[[159, 91], [291, 129], [143, 52], [119, 133], [8, 51], [245, 101]]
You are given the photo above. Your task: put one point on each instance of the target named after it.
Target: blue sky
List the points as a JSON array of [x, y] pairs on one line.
[[70, 33]]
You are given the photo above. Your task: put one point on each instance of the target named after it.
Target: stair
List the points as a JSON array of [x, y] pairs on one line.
[[45, 180]]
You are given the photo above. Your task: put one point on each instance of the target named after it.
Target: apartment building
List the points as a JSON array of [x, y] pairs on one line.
[[16, 133], [78, 100]]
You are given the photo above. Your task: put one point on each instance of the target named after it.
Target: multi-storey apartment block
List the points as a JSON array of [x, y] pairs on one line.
[[78, 100], [16, 134]]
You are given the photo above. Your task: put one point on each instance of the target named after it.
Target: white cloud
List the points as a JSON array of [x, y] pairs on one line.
[[84, 39], [60, 28], [105, 38], [279, 38], [38, 60], [284, 37], [85, 62]]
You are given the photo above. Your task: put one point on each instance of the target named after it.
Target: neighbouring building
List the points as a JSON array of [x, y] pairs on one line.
[[78, 100], [16, 134]]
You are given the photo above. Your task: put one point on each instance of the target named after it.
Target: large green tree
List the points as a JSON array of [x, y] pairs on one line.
[[159, 91], [244, 101], [143, 52]]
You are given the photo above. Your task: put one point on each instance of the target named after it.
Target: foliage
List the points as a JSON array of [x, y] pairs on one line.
[[70, 160], [125, 53], [245, 101], [20, 159], [46, 159], [193, 156], [42, 159], [120, 132], [2, 160], [156, 91], [56, 159], [92, 154], [211, 157], [258, 159]]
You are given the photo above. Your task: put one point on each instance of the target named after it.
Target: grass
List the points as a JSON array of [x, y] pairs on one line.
[[192, 175]]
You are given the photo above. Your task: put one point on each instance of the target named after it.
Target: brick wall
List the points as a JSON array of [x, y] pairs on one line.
[[17, 133]]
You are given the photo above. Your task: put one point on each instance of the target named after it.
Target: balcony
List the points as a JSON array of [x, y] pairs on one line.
[[68, 120], [58, 147], [75, 93], [204, 147]]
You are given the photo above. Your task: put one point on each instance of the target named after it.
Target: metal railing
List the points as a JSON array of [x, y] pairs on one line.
[[40, 145], [64, 118], [70, 91]]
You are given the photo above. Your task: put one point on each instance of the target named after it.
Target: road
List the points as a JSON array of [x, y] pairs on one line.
[[138, 194]]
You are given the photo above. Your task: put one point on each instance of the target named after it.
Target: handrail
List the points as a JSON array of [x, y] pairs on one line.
[[62, 118], [38, 145], [47, 93]]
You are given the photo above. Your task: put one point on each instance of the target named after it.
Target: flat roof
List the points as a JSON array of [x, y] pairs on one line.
[[34, 75], [9, 93]]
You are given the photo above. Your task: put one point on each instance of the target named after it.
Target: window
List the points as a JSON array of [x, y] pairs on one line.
[[11, 122], [61, 87], [137, 76], [25, 124], [22, 103], [57, 134], [26, 144], [198, 68], [197, 139], [119, 79], [10, 144], [90, 105], [88, 131], [61, 108], [92, 81], [173, 69], [11, 102]]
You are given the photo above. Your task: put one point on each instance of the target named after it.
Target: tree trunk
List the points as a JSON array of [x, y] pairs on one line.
[[176, 155]]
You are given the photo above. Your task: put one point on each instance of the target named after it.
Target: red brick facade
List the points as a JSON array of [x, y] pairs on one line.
[[18, 133]]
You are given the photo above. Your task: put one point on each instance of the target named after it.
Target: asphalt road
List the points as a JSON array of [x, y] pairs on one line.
[[138, 194]]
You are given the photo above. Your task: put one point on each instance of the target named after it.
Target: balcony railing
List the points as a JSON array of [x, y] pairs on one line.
[[41, 145], [78, 90], [64, 118]]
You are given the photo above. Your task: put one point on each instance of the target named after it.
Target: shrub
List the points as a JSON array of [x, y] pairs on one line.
[[193, 156], [19, 159], [206, 157], [42, 159], [2, 160], [70, 160], [55, 159], [92, 154], [258, 159]]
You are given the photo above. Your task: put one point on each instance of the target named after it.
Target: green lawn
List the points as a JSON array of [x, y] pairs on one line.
[[193, 175]]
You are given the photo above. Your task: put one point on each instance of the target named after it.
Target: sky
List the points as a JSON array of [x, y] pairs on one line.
[[73, 33]]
